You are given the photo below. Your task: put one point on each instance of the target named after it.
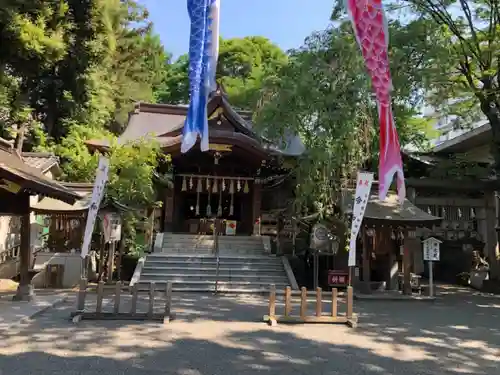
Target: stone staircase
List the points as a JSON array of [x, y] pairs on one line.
[[189, 263]]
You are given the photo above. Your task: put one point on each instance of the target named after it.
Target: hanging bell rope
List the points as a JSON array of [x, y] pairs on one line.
[[184, 185], [231, 206], [209, 206], [219, 209], [199, 187], [197, 209], [214, 187]]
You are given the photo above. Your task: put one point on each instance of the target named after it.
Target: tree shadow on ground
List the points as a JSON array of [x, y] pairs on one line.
[[444, 337]]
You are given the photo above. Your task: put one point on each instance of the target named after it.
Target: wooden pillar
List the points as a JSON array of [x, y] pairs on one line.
[[256, 205], [168, 224], [406, 266], [367, 247], [25, 289], [411, 245]]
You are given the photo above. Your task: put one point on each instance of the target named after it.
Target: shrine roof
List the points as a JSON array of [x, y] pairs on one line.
[[84, 190], [391, 211], [41, 160], [164, 123], [13, 169]]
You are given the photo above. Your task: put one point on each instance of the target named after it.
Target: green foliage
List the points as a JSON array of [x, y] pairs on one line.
[[131, 174], [324, 95], [72, 61], [244, 63], [462, 69], [320, 96]]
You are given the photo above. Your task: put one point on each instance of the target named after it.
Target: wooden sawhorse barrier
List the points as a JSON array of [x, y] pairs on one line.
[[349, 318], [116, 314]]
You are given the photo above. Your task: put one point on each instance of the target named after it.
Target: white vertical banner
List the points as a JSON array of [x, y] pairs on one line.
[[100, 182], [361, 197]]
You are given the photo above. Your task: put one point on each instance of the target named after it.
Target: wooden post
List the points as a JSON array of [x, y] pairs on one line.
[[406, 267], [334, 302], [288, 301], [151, 299], [367, 249], [100, 295], [101, 258], [303, 302], [133, 305], [119, 260], [349, 302], [118, 292], [272, 301], [318, 301], [81, 294], [25, 288], [111, 260], [168, 302]]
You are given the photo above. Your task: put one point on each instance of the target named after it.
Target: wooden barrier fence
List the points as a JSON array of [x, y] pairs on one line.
[[348, 318], [116, 314]]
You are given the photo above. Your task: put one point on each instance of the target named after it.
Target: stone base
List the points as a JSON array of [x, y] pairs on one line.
[[24, 293]]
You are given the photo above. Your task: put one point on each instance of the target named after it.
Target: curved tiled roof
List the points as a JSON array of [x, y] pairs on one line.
[[31, 180]]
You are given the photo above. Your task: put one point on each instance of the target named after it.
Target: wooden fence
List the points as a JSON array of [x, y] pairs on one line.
[[117, 313], [348, 317]]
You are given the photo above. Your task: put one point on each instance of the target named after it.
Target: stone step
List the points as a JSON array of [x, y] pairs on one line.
[[212, 256], [243, 270], [197, 258], [210, 237], [232, 286], [209, 251], [228, 263], [181, 278], [210, 288]]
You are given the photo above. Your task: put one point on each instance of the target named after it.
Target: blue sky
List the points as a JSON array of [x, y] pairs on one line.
[[285, 22]]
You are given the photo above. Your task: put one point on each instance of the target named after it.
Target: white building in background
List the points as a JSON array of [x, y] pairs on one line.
[[448, 126]]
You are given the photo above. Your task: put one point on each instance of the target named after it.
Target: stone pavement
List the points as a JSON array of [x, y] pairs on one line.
[[217, 335], [14, 312]]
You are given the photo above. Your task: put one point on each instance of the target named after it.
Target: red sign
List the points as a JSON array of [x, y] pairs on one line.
[[338, 278]]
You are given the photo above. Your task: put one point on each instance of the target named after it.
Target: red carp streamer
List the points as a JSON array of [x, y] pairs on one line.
[[371, 30]]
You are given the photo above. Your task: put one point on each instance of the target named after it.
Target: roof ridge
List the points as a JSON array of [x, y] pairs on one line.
[[37, 154]]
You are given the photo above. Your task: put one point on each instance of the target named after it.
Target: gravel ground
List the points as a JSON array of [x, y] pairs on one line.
[[458, 334]]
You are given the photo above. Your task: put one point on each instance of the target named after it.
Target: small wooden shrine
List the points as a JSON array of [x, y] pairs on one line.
[[389, 243], [18, 182]]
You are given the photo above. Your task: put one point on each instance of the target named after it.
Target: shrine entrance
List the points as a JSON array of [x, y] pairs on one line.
[[197, 209]]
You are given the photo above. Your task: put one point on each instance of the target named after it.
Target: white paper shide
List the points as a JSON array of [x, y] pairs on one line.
[[97, 193], [361, 197]]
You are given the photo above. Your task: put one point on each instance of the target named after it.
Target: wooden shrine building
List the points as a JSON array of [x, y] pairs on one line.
[[227, 182], [18, 182]]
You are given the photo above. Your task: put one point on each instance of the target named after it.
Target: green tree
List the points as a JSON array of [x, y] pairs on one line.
[[244, 64], [78, 62], [463, 79], [324, 95]]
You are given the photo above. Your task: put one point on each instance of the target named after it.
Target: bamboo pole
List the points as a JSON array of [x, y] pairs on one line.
[[303, 302], [318, 301], [288, 301]]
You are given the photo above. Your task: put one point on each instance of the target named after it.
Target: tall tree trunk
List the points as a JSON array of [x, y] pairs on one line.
[[490, 108]]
